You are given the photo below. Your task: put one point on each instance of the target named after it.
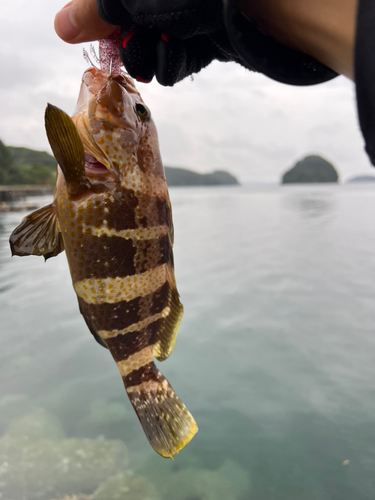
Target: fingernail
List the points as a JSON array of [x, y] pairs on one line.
[[165, 37], [64, 26]]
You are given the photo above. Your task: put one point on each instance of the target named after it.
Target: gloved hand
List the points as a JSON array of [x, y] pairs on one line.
[[169, 39]]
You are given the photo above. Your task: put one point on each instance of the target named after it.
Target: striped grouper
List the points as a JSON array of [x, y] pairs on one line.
[[112, 215]]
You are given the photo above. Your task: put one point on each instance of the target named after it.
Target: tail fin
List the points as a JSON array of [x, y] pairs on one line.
[[166, 421]]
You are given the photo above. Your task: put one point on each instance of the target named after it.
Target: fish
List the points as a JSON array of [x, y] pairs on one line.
[[111, 214]]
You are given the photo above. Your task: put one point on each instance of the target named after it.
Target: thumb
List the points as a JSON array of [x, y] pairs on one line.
[[79, 21]]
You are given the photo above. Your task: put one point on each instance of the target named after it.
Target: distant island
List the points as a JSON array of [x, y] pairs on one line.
[[185, 177], [23, 166], [311, 169], [362, 178]]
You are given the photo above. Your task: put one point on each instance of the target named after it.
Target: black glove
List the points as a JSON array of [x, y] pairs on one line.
[[365, 73], [169, 39]]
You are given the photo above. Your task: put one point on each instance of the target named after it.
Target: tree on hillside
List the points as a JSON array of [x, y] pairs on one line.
[[6, 164], [32, 167]]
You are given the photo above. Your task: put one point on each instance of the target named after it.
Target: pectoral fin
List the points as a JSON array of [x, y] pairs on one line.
[[38, 234], [67, 148]]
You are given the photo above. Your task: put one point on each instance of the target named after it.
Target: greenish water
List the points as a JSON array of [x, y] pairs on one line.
[[275, 356]]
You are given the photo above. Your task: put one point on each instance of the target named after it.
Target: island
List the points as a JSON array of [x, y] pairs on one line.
[[23, 166], [311, 169], [361, 178], [185, 177]]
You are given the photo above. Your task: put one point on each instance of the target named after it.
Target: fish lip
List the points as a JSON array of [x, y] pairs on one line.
[[94, 168], [93, 172]]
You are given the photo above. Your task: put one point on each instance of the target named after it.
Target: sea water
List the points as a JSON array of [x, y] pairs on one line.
[[275, 356]]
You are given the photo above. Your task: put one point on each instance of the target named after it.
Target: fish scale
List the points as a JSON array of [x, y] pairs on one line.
[[112, 215]]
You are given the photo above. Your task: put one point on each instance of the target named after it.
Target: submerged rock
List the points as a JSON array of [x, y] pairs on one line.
[[107, 412], [229, 482], [126, 487], [38, 424], [44, 466], [76, 497], [14, 406]]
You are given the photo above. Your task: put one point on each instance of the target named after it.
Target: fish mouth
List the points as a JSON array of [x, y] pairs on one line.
[[94, 167]]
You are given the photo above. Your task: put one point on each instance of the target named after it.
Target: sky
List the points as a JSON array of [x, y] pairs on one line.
[[225, 117]]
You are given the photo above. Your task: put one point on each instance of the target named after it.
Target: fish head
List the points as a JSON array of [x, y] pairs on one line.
[[118, 134]]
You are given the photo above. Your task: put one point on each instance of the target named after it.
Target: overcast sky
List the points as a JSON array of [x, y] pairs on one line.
[[226, 118]]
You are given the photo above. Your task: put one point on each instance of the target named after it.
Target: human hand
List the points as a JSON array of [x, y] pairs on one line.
[[79, 21], [169, 39]]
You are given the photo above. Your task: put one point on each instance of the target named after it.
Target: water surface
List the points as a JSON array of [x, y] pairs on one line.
[[275, 356]]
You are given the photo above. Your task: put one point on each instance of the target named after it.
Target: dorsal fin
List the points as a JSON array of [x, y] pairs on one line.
[[67, 148]]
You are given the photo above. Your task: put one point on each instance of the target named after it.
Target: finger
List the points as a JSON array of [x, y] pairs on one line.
[[79, 21]]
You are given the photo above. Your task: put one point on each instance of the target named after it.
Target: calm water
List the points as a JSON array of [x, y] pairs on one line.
[[275, 356]]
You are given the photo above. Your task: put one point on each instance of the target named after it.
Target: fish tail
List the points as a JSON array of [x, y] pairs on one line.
[[166, 421]]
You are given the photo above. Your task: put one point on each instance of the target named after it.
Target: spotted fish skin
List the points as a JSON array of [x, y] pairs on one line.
[[117, 231]]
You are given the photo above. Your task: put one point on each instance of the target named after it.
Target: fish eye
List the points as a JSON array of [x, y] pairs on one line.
[[142, 111]]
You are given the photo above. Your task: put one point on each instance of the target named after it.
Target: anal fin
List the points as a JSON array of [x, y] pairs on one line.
[[38, 234]]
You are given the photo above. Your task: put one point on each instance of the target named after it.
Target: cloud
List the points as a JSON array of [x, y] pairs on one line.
[[226, 117]]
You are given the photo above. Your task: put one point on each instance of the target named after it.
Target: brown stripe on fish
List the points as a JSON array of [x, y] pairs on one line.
[[125, 345], [154, 211], [117, 256], [160, 298], [117, 316], [148, 248], [145, 373], [108, 257], [105, 206], [152, 253]]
